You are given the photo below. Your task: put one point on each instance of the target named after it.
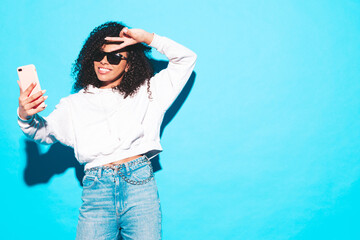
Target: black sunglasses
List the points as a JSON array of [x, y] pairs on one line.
[[113, 58]]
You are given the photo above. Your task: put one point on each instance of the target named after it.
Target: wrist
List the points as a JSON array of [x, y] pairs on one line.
[[23, 118], [148, 38]]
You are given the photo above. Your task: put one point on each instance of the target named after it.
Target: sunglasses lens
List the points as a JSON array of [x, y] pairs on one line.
[[114, 58], [98, 56]]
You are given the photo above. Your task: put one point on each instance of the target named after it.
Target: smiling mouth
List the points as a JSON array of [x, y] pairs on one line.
[[103, 70]]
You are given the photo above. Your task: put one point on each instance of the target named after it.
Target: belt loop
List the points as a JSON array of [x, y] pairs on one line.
[[127, 167], [147, 160], [99, 172]]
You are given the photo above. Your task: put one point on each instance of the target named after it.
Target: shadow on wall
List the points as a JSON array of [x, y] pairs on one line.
[[40, 168]]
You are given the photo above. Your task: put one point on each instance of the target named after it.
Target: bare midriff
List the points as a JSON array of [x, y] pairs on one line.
[[123, 161]]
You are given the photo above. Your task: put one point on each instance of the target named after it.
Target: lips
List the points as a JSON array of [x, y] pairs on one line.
[[103, 70]]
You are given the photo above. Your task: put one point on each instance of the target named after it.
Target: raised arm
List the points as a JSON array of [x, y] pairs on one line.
[[167, 84]]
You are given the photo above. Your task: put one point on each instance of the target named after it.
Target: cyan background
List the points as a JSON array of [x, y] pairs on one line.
[[266, 145]]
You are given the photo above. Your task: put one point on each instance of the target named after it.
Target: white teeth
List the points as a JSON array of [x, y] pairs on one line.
[[103, 70]]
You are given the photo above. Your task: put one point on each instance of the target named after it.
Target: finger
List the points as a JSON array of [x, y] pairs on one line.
[[42, 103], [38, 109], [28, 91], [116, 47], [122, 32], [115, 39], [35, 103], [33, 97], [127, 32]]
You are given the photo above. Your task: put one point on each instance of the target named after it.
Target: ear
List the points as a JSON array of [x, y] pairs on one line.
[[127, 67]]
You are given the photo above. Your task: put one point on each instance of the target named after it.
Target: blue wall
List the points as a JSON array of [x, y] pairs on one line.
[[265, 146]]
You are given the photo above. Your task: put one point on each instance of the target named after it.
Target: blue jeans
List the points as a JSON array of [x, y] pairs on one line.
[[120, 203]]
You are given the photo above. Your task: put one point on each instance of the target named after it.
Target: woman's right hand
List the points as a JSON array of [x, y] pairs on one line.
[[30, 105]]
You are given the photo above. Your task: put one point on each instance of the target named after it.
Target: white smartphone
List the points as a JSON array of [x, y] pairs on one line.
[[27, 75]]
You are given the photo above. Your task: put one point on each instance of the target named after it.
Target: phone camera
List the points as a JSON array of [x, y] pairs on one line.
[[20, 69]]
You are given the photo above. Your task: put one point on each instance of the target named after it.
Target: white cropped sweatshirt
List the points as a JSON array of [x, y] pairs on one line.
[[103, 127]]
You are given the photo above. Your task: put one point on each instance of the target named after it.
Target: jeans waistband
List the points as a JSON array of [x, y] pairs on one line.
[[124, 167]]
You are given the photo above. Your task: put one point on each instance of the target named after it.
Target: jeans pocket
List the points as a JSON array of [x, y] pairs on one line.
[[139, 176], [89, 181]]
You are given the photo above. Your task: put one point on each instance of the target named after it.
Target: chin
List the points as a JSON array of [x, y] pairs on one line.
[[106, 78], [108, 81], [102, 79]]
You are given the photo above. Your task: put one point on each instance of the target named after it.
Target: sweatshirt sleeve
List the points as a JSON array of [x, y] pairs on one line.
[[55, 127], [168, 83]]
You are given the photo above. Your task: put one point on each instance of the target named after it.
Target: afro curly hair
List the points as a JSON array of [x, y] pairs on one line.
[[139, 72]]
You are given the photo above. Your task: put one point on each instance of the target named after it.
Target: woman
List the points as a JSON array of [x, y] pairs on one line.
[[113, 124]]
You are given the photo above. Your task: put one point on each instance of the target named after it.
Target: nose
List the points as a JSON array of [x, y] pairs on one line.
[[104, 60]]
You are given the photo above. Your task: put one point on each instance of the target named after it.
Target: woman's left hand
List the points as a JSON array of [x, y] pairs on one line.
[[129, 37]]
